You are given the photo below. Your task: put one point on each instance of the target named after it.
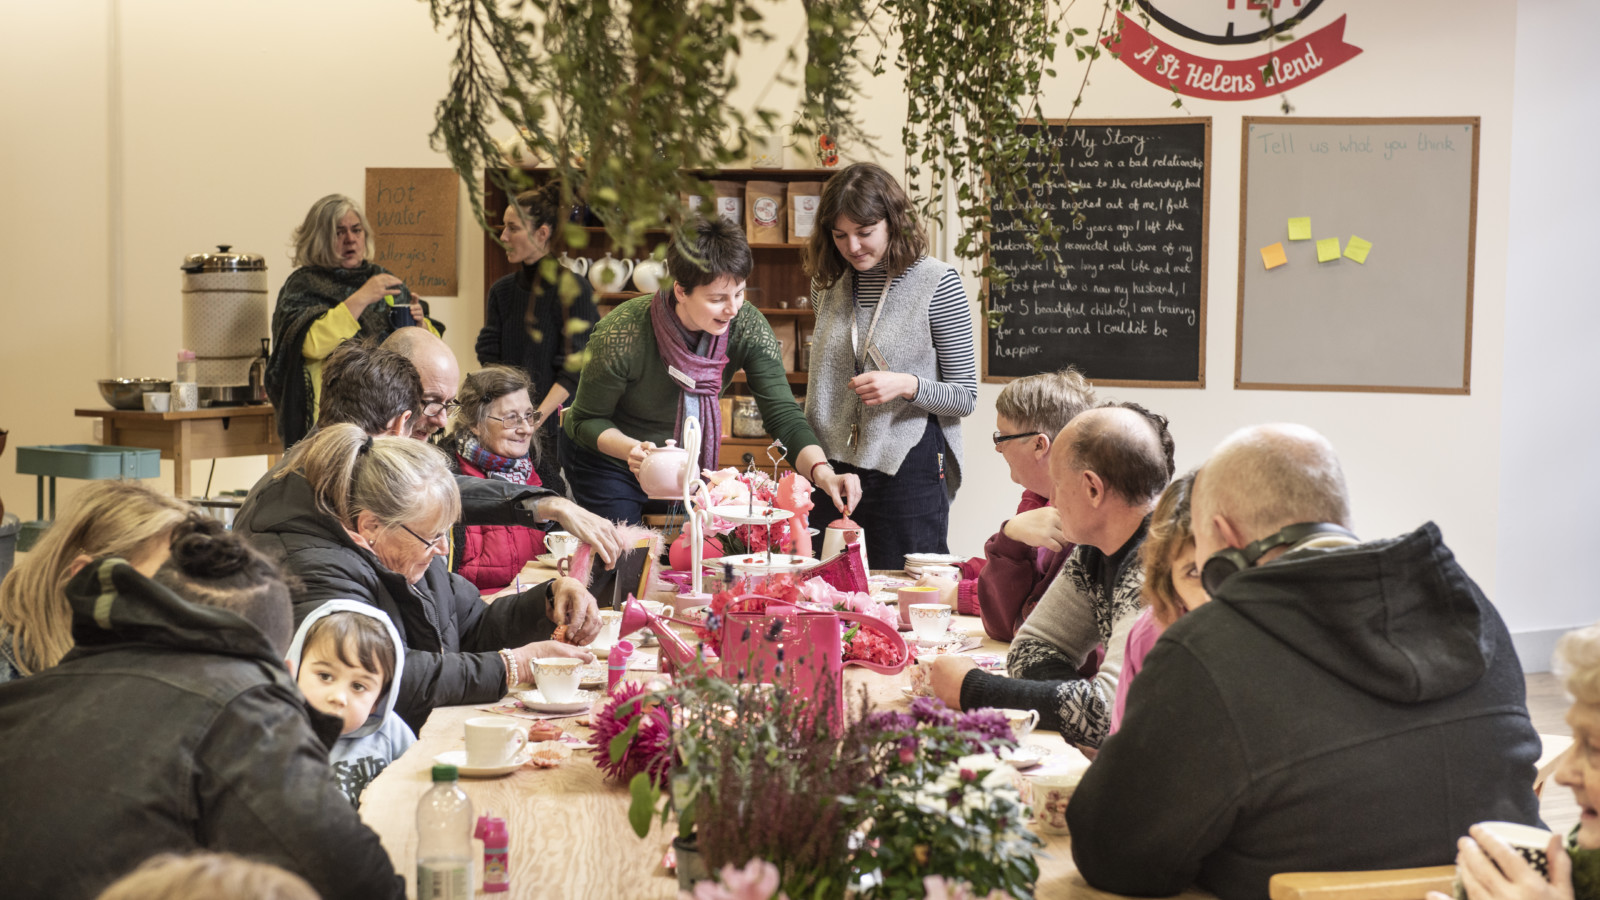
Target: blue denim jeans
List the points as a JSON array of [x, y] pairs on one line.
[[603, 488], [907, 512]]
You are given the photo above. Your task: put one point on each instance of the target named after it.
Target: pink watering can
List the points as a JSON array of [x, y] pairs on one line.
[[676, 655]]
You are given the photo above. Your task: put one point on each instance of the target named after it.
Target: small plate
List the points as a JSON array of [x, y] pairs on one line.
[[757, 562], [546, 559], [592, 675], [739, 514], [932, 559], [535, 701], [458, 758], [1024, 757]]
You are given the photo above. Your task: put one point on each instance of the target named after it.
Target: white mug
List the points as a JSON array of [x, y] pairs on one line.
[[557, 677], [494, 741], [610, 627], [1022, 721], [1051, 794], [657, 608], [561, 544], [931, 621], [157, 401]]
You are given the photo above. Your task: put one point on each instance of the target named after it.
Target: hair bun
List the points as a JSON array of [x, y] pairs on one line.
[[203, 548]]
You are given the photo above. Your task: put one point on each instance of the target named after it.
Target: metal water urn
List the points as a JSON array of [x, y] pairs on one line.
[[225, 319]]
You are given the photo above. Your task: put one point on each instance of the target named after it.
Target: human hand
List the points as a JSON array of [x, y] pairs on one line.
[[599, 533], [571, 604], [843, 490], [945, 675], [376, 288], [1039, 527], [1491, 870], [637, 454], [417, 315], [527, 653], [947, 588], [875, 388]]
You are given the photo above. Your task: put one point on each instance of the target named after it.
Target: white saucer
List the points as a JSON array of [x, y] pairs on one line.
[[932, 559], [1023, 757], [757, 562], [739, 514], [535, 701], [458, 758], [546, 559], [593, 675]]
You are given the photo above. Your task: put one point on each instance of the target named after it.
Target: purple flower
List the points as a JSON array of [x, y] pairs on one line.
[[985, 727], [931, 711], [890, 720]]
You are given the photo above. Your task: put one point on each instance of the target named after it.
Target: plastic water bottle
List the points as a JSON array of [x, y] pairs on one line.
[[188, 368], [444, 839]]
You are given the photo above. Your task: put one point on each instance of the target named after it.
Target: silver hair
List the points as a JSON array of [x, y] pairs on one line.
[[1577, 664], [1265, 477], [396, 479], [313, 240]]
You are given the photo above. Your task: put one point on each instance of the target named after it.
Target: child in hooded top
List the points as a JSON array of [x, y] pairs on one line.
[[347, 657]]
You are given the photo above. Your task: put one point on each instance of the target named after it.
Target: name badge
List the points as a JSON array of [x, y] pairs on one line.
[[877, 358], [680, 377]]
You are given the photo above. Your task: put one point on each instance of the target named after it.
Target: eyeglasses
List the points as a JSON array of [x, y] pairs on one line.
[[434, 407], [1002, 438], [516, 421], [437, 543]]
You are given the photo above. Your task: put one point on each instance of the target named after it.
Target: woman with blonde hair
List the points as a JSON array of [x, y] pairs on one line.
[[368, 519], [107, 518], [208, 876], [337, 293]]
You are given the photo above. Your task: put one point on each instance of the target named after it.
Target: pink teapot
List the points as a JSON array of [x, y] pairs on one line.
[[663, 472]]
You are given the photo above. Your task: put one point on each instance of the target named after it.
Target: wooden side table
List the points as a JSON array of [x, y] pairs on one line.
[[183, 437]]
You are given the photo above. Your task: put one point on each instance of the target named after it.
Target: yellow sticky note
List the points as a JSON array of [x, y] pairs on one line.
[[1327, 250], [1272, 257], [1356, 249], [1300, 229]]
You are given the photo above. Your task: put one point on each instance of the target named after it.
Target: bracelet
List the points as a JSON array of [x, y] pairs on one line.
[[811, 476], [513, 675]]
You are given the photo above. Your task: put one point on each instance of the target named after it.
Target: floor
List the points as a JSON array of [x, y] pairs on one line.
[[1547, 705]]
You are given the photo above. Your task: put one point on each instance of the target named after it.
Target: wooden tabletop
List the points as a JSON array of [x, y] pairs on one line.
[[569, 831]]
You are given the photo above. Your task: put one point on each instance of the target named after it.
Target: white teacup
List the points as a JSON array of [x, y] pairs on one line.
[[561, 544], [950, 573], [1051, 794], [1022, 721], [557, 677], [931, 621], [158, 401], [909, 597], [494, 741], [610, 627], [657, 608]]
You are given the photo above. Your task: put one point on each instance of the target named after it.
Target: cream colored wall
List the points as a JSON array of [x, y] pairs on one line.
[[238, 115]]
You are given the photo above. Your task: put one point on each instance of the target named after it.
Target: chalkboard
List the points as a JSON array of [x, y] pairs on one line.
[[413, 217], [1129, 305], [1400, 319]]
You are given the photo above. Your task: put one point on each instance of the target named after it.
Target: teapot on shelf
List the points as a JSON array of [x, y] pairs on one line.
[[649, 275], [578, 267], [610, 275]]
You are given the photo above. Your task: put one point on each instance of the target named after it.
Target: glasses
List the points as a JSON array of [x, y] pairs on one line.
[[516, 421], [437, 544], [1002, 438], [434, 407]]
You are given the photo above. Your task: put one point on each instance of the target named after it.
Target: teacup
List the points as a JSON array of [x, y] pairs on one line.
[[561, 544], [910, 596], [922, 677], [1530, 843], [557, 677], [657, 608], [1051, 794], [157, 401], [494, 741], [931, 621], [1022, 721], [950, 573], [610, 627]]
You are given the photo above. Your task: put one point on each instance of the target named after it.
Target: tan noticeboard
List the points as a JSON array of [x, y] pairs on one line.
[[413, 218]]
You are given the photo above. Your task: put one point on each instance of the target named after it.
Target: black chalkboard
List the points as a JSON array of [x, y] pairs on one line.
[[1129, 305]]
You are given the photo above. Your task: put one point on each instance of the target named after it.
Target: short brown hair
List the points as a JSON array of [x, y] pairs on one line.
[[868, 195], [1133, 465], [720, 251], [1045, 402], [1170, 529], [211, 566], [367, 385], [374, 646]]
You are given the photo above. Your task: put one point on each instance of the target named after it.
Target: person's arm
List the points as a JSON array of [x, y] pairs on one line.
[[487, 347], [330, 330], [955, 393], [1147, 813], [490, 501], [267, 793], [1045, 679], [552, 401], [1008, 579]]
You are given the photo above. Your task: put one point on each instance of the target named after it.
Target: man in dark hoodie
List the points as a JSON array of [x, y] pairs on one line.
[[1339, 705]]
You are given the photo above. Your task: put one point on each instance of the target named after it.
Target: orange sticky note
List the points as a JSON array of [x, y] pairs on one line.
[[1357, 249], [1273, 257], [1327, 250], [1300, 229]]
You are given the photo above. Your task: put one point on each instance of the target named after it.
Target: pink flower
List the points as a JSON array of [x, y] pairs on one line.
[[937, 888], [758, 880]]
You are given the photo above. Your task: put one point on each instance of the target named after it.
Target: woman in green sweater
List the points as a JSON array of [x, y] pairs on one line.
[[656, 360]]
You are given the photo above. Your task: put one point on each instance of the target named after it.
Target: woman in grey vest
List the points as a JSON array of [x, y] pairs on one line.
[[893, 369]]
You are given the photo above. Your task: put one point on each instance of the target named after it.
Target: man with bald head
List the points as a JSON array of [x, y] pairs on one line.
[[1338, 705], [441, 376], [1107, 467]]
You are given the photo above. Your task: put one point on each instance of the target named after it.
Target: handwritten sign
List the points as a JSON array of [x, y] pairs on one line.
[[413, 218], [1127, 305]]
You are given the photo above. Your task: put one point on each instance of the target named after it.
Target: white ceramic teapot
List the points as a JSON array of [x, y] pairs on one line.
[[609, 275], [650, 275], [578, 267], [841, 533]]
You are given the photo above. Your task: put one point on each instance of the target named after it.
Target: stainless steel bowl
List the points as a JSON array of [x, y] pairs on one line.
[[128, 393]]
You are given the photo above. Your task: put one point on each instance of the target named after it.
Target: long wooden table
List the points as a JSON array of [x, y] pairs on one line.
[[183, 437], [569, 831]]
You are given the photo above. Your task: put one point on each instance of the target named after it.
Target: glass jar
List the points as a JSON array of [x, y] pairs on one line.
[[747, 418], [802, 363]]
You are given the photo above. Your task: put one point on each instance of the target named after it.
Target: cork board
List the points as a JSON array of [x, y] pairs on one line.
[[413, 217]]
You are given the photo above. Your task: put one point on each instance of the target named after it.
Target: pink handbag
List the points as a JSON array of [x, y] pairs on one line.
[[802, 650], [843, 570]]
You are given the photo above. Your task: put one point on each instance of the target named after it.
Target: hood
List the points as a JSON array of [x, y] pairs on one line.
[[279, 504], [115, 607], [380, 710], [1398, 619]]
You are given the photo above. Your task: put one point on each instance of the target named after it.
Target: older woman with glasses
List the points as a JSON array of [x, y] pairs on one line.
[[493, 435], [369, 519]]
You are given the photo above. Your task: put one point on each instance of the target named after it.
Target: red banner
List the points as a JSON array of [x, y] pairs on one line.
[[1230, 79]]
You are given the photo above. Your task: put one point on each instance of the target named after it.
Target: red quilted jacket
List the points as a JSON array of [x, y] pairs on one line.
[[491, 555]]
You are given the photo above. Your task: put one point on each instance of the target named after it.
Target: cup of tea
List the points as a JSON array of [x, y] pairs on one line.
[[1051, 794], [610, 627], [657, 608], [494, 741], [931, 621], [158, 401], [557, 677], [912, 595], [561, 544], [1022, 721]]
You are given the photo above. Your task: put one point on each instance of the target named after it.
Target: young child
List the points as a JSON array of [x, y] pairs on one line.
[[347, 657]]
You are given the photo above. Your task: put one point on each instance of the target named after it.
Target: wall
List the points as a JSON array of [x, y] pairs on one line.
[[235, 117]]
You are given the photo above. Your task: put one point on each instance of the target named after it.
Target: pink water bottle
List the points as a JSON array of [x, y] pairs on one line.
[[496, 853], [617, 663]]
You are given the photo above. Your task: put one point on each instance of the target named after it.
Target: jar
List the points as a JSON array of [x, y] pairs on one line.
[[802, 362], [747, 418]]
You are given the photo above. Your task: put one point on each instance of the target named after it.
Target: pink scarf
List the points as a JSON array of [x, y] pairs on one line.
[[672, 341]]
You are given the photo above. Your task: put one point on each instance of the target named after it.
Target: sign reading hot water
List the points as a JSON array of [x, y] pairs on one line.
[[1229, 23], [413, 217]]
